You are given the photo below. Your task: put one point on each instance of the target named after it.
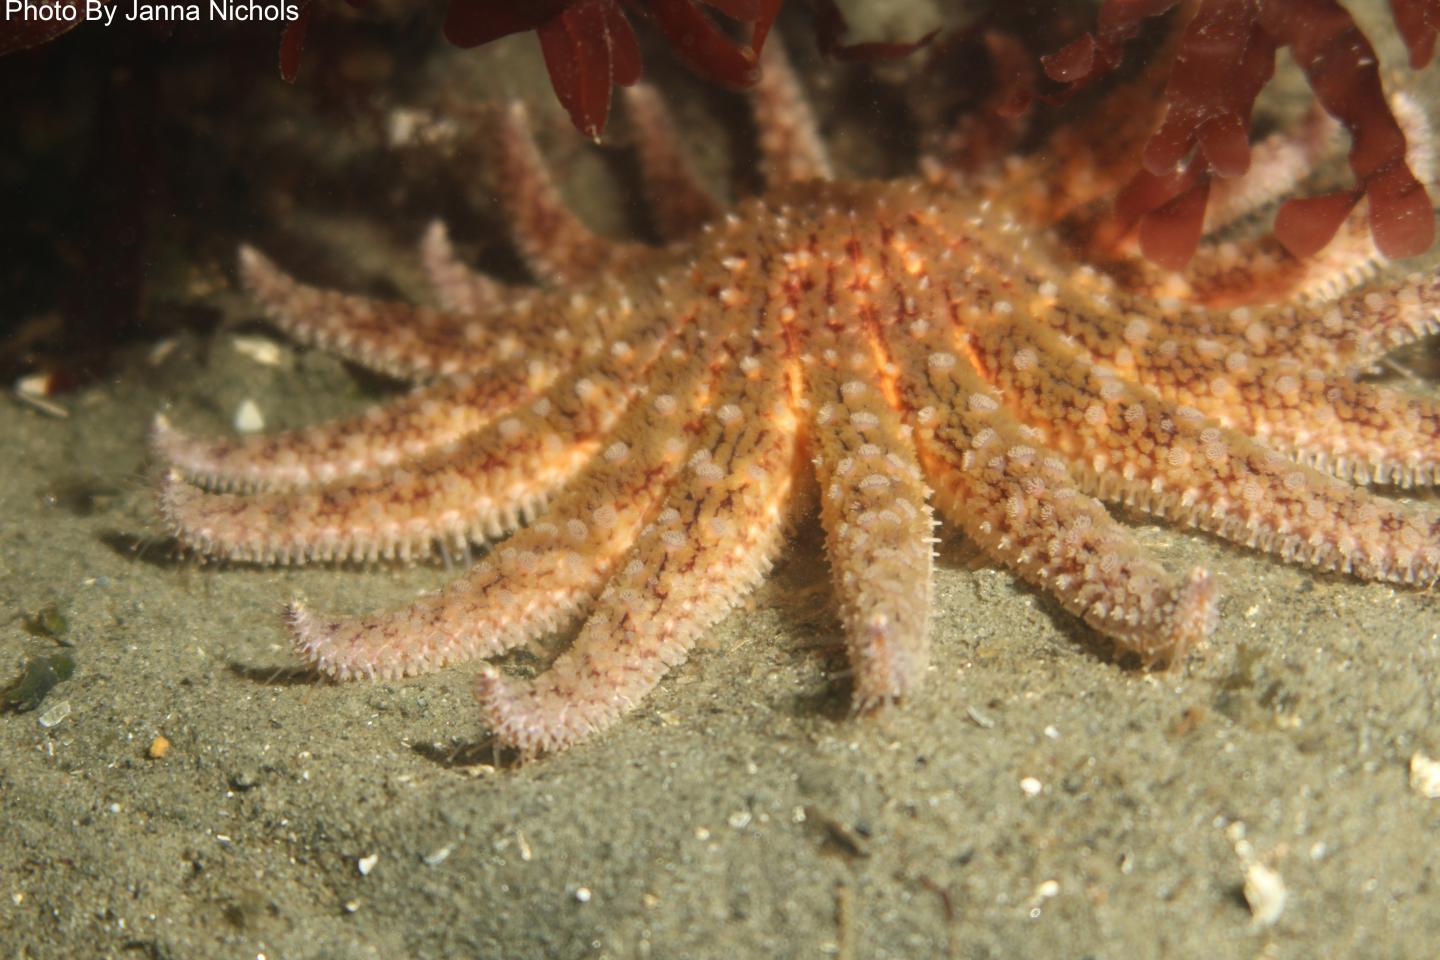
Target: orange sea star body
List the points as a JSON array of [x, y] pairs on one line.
[[651, 419]]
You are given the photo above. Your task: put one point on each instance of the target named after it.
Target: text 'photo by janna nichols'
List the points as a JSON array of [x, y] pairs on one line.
[[96, 11]]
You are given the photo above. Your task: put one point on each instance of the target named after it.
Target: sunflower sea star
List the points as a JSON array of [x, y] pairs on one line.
[[649, 420]]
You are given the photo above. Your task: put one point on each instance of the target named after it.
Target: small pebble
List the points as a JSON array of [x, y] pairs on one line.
[[248, 418], [159, 747], [262, 350], [55, 714], [1265, 893], [437, 857], [161, 350], [1425, 776], [48, 621], [246, 778]]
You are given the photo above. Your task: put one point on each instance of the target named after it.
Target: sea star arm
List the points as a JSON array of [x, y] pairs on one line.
[[1089, 159], [1134, 447], [1282, 374], [878, 524], [1253, 265], [497, 477], [1154, 338], [557, 246], [423, 423], [678, 203], [426, 420], [535, 583], [1163, 343], [1260, 270], [1255, 268], [713, 542], [399, 339], [1278, 164], [1022, 507], [1377, 318], [1251, 268], [546, 574], [458, 288], [399, 514], [791, 150], [1358, 431]]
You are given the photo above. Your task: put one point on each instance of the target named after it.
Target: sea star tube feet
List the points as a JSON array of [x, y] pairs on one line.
[[644, 423]]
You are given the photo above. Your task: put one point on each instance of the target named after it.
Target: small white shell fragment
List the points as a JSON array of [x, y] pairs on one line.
[[1031, 787], [1265, 893], [248, 418], [161, 350], [35, 384], [366, 864], [979, 719], [54, 714], [262, 350], [1425, 776], [33, 391], [437, 857], [1045, 890]]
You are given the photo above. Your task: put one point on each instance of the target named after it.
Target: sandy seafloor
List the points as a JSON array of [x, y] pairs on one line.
[[738, 812]]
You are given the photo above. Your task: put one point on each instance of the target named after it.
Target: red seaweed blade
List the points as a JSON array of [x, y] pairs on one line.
[[1224, 59], [470, 23], [1419, 24], [580, 48], [1344, 72], [589, 44]]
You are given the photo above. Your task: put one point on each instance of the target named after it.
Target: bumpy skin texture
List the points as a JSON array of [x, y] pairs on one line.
[[653, 415]]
